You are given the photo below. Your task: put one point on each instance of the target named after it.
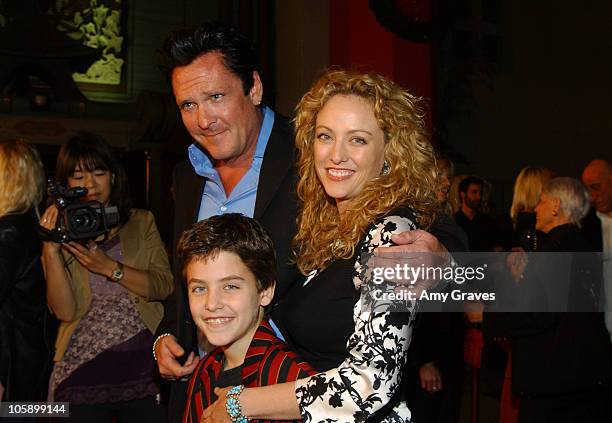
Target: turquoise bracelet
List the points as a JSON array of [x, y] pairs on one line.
[[233, 406]]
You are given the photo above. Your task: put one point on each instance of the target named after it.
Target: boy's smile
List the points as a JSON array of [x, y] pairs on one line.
[[225, 304]]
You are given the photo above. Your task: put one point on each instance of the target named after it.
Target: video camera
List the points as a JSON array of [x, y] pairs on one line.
[[78, 221]]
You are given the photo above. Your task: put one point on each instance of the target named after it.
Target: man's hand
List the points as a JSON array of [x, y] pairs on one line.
[[417, 241], [417, 250], [167, 350], [431, 380], [216, 413]]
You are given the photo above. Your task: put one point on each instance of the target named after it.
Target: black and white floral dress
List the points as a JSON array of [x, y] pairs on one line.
[[360, 353]]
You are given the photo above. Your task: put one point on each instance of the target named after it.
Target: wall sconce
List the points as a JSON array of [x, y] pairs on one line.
[[40, 97]]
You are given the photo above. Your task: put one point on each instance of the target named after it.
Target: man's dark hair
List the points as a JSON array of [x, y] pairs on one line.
[[469, 180], [185, 45], [233, 233]]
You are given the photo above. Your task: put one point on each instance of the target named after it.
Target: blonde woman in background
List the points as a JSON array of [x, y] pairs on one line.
[[527, 189], [24, 351]]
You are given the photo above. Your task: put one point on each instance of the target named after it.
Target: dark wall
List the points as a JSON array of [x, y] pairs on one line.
[[545, 102]]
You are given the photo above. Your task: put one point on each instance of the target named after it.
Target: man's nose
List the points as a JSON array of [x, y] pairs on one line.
[[205, 117]]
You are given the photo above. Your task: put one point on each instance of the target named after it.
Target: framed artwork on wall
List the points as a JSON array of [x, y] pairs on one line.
[[105, 26]]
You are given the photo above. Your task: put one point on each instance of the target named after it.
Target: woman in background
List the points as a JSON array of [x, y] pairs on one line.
[[107, 294], [527, 189], [561, 351], [24, 350]]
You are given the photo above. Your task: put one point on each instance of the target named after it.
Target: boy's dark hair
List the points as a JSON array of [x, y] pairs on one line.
[[234, 233], [93, 152], [185, 45], [470, 180]]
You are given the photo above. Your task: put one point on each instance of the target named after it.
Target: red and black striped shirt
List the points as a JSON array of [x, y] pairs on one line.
[[268, 361]]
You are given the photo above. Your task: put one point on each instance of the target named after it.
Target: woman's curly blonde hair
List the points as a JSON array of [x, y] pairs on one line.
[[322, 235]]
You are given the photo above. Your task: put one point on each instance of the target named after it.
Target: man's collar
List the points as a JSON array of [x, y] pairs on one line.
[[264, 132]]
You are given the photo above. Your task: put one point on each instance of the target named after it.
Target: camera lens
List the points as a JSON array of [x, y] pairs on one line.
[[84, 220]]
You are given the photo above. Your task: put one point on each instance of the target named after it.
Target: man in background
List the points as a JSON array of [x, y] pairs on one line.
[[597, 225], [481, 229]]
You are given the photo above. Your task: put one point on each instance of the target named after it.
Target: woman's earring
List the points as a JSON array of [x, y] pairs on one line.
[[386, 169]]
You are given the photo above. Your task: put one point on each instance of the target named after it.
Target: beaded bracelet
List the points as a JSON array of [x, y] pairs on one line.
[[233, 406], [156, 341]]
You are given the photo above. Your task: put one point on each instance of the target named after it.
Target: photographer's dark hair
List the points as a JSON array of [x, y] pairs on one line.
[[93, 153], [185, 45], [234, 233], [469, 180]]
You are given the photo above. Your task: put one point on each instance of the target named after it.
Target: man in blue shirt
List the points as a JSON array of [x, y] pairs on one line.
[[242, 161]]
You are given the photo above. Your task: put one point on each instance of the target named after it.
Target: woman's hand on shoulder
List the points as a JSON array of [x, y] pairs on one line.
[[91, 257]]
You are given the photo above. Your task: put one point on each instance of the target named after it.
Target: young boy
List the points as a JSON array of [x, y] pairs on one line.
[[229, 266]]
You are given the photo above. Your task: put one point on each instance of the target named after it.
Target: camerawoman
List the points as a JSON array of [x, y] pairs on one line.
[[105, 284]]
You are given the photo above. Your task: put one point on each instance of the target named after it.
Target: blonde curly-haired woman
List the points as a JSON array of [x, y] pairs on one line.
[[366, 171]]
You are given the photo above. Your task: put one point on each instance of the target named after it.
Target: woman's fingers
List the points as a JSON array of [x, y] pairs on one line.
[[91, 257], [78, 251], [49, 218]]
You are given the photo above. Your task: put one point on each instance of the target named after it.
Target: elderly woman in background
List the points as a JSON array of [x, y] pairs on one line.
[[24, 350], [527, 189], [366, 172], [107, 294], [562, 370]]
